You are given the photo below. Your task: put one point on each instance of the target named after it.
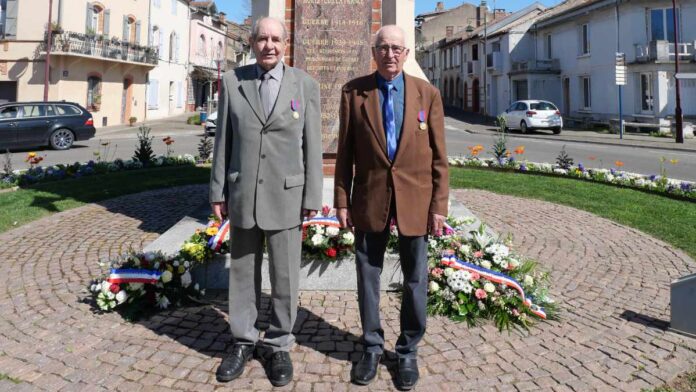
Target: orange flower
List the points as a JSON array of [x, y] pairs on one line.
[[508, 154], [519, 150], [592, 157], [168, 140], [618, 163]]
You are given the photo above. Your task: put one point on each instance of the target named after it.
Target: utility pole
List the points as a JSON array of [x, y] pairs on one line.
[[485, 57], [49, 39], [678, 109]]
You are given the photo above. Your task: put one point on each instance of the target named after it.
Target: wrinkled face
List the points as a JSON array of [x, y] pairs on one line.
[[269, 44], [390, 63]]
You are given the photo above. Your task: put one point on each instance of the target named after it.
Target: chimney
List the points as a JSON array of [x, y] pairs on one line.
[[222, 16], [449, 31], [440, 6], [247, 21]]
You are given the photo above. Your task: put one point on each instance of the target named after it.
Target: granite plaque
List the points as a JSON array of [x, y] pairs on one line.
[[332, 43]]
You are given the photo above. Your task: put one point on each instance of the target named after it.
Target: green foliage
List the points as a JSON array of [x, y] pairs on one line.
[[667, 219], [205, 148], [6, 165], [194, 120], [500, 150], [13, 380], [143, 151], [563, 159]]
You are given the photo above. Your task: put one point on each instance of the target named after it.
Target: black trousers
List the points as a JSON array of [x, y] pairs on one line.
[[369, 258]]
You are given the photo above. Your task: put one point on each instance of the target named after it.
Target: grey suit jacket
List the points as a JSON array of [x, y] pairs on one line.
[[267, 170]]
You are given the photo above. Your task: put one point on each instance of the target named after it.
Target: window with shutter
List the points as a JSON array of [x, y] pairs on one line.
[[153, 95]]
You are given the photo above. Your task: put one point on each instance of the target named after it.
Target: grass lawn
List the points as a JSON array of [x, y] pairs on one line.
[[670, 220], [28, 204]]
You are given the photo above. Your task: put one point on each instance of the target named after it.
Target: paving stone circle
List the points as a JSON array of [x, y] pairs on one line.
[[612, 282]]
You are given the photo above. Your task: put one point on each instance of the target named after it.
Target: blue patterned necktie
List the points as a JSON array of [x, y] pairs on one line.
[[388, 119]]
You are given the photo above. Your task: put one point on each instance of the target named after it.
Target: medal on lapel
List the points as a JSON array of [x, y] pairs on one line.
[[294, 105], [421, 119]]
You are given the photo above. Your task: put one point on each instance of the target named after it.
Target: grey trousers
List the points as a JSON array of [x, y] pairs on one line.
[[246, 251], [369, 257]]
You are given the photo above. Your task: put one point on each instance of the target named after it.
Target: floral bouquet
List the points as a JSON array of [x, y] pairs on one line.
[[480, 277], [198, 249], [436, 244], [137, 282], [323, 239]]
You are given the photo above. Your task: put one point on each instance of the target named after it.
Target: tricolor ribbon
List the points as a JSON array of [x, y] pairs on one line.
[[322, 221], [450, 260], [421, 116], [216, 241], [133, 276], [294, 105]]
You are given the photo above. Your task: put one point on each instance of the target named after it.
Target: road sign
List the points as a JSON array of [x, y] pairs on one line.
[[685, 75], [620, 69]]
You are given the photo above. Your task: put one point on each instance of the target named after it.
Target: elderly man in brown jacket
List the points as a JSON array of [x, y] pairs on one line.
[[392, 132]]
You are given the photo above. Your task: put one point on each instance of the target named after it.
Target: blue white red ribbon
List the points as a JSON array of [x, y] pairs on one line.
[[215, 242], [322, 221], [450, 260], [421, 116], [294, 105], [133, 276]]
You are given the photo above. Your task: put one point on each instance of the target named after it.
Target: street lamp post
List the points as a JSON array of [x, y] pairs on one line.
[[484, 4], [49, 37], [678, 110]]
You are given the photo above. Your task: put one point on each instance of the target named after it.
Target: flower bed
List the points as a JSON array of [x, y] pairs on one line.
[[472, 275], [654, 183], [37, 173]]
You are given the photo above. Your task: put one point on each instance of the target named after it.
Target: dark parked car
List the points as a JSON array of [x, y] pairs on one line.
[[54, 124]]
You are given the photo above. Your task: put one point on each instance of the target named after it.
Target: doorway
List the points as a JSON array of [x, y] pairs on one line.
[[566, 97], [126, 100], [171, 98], [475, 105], [8, 92]]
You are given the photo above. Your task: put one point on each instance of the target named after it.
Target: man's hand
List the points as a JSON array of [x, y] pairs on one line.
[[436, 223], [344, 218], [308, 214], [219, 210]]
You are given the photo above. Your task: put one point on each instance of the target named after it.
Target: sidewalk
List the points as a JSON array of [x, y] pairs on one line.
[[479, 124], [173, 123]]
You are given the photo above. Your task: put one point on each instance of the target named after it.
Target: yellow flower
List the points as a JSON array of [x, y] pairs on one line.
[[211, 231], [170, 268], [181, 269], [674, 161], [31, 155]]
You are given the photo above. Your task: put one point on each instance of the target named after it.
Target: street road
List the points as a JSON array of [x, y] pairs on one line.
[[122, 142]]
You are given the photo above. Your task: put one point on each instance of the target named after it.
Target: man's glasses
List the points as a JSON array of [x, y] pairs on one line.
[[396, 49]]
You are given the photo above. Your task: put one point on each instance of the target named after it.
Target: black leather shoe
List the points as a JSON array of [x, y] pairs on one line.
[[365, 370], [232, 365], [281, 368], [407, 374]]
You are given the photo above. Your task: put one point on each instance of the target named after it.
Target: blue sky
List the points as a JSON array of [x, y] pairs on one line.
[[237, 10]]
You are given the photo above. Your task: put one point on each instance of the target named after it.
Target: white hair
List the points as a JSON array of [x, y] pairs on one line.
[[380, 32], [257, 24]]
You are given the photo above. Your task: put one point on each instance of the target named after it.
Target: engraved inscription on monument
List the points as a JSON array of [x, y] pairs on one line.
[[332, 43]]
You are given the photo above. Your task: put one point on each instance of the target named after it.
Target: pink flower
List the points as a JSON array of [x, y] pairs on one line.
[[515, 312], [436, 272], [478, 254], [325, 210], [481, 294], [475, 276]]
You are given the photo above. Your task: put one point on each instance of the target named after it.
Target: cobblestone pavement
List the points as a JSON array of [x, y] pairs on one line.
[[611, 281]]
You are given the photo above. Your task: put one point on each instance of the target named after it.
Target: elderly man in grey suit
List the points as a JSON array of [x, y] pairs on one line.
[[266, 176]]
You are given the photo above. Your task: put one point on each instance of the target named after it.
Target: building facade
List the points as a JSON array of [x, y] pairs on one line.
[[167, 83], [207, 45]]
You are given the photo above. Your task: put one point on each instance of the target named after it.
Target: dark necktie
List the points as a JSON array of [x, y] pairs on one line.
[[389, 120], [265, 91]]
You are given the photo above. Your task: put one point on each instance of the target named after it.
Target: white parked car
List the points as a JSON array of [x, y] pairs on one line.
[[532, 114], [210, 123]]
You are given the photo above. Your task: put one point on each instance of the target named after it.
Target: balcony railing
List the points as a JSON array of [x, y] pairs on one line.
[[97, 46], [663, 51], [552, 65], [473, 67]]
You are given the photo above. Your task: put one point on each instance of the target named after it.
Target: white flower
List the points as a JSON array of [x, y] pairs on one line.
[[136, 286], [105, 287], [166, 277], [610, 178], [332, 231], [156, 266], [465, 249], [149, 256], [348, 238], [187, 264], [197, 287], [317, 239], [175, 263], [481, 305], [318, 229], [486, 264], [95, 287], [467, 287], [498, 250], [121, 297], [504, 264], [498, 259], [202, 292], [162, 301], [186, 279], [432, 243], [448, 295], [394, 230], [528, 280], [105, 302], [449, 272], [489, 287], [560, 171], [434, 287]]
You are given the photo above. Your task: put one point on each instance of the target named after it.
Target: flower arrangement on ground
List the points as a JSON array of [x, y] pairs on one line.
[[479, 277], [323, 239], [198, 247], [140, 282]]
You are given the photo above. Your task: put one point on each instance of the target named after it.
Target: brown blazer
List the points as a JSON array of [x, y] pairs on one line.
[[418, 178]]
